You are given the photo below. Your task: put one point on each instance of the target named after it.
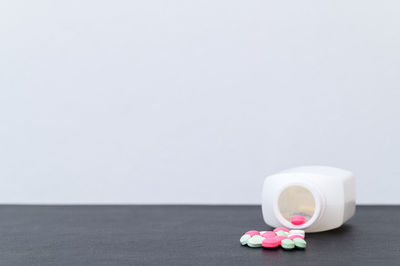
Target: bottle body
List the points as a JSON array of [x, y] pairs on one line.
[[325, 196]]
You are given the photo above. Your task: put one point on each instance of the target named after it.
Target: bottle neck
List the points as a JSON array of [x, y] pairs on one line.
[[297, 199]]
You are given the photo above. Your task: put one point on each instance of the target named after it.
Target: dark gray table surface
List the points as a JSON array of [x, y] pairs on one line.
[[183, 235]]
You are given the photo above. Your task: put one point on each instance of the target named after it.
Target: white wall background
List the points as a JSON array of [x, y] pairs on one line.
[[195, 101]]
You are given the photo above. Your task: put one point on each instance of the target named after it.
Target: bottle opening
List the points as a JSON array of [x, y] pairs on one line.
[[296, 200]]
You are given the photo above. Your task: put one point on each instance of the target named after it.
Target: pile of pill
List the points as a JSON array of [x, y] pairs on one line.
[[287, 239]]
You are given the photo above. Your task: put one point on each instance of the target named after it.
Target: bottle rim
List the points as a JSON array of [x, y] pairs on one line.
[[317, 211]]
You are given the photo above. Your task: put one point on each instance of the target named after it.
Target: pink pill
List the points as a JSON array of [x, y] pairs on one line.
[[252, 233], [298, 219], [295, 236], [280, 238], [271, 242], [269, 234], [281, 229]]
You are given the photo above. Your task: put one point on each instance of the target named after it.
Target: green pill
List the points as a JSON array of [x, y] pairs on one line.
[[244, 238], [300, 243], [287, 244], [255, 241], [282, 233]]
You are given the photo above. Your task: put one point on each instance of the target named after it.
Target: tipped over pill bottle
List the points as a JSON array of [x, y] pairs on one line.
[[310, 198]]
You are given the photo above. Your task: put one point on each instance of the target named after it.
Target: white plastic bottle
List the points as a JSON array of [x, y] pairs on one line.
[[324, 195]]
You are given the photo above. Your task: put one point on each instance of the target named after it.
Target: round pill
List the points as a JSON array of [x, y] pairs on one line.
[[297, 232], [298, 220], [300, 243], [271, 242], [281, 229], [287, 244], [252, 233], [244, 238], [280, 238], [291, 237], [255, 241], [262, 232], [269, 234], [281, 233]]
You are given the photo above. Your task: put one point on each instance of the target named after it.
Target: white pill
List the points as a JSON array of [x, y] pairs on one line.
[[297, 232], [244, 238], [255, 241]]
